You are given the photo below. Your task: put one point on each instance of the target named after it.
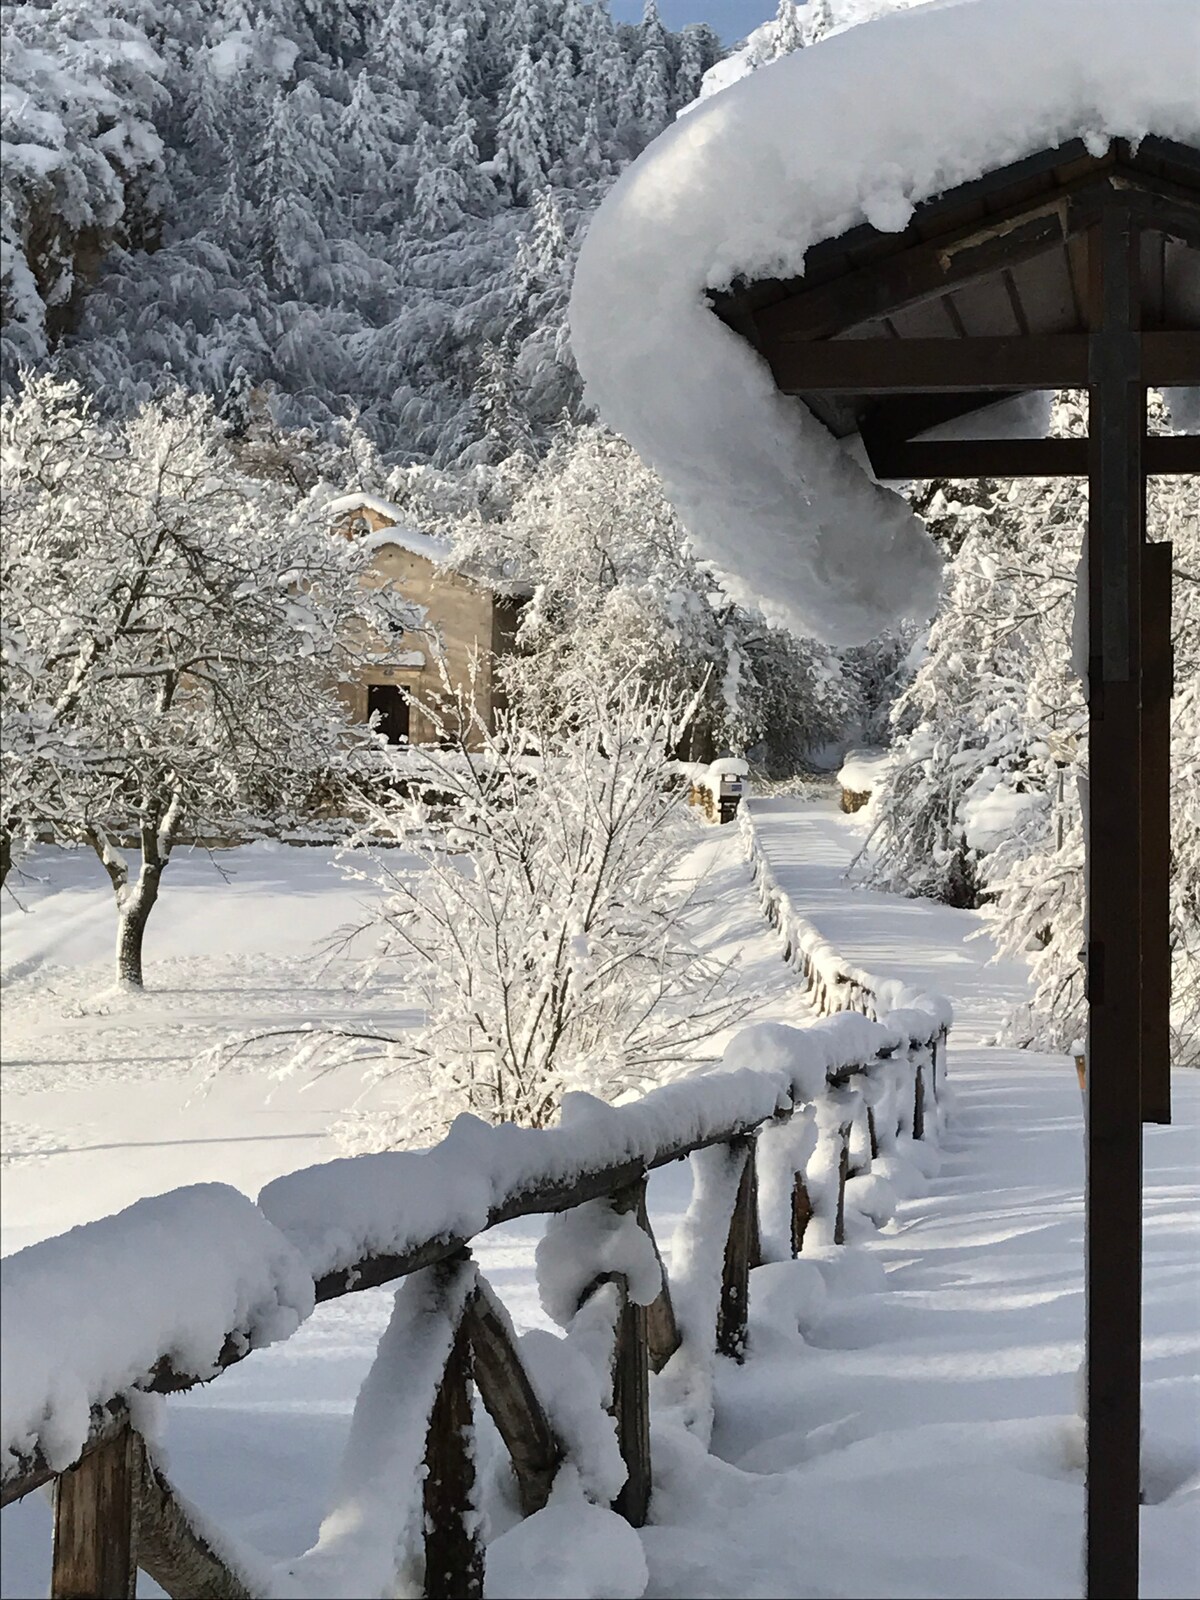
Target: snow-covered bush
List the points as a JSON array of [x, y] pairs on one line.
[[174, 635], [536, 913]]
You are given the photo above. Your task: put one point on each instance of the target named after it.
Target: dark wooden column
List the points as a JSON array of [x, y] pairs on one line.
[[1157, 674], [1116, 526]]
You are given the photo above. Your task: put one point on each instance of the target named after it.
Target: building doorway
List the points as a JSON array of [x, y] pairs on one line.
[[391, 703]]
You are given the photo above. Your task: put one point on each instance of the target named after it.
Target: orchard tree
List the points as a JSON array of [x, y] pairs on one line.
[[175, 636]]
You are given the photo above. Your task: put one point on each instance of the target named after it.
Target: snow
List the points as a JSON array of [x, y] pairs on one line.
[[89, 1314], [586, 1243], [570, 1547], [862, 770], [861, 128], [905, 1422]]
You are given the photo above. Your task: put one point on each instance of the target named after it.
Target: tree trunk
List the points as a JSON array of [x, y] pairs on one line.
[[135, 909], [5, 855]]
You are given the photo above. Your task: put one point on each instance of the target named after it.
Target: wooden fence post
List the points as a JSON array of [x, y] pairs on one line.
[[631, 1383], [631, 1407], [662, 1331], [839, 1226], [95, 1523], [919, 1103], [453, 1554], [742, 1251], [802, 1212]]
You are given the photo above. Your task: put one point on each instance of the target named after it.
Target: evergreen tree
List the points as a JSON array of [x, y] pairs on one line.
[[789, 29], [522, 159]]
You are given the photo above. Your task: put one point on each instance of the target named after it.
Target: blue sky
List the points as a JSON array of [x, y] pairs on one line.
[[732, 19]]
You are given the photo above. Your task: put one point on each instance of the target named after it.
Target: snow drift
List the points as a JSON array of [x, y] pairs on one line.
[[861, 128]]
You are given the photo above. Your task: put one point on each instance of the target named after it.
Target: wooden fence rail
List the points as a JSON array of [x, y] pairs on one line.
[[115, 1510]]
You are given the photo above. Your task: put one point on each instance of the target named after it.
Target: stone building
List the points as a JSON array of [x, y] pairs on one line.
[[466, 620]]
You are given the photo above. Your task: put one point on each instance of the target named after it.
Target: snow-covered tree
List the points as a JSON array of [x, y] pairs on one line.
[[619, 594], [175, 634], [789, 33], [522, 159], [538, 914], [819, 19], [982, 804]]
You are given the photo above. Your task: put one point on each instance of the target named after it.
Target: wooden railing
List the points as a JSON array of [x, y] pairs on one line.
[[115, 1509]]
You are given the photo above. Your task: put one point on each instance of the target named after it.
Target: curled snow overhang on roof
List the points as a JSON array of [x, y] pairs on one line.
[[861, 129]]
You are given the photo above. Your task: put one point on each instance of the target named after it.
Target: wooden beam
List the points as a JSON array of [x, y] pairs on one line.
[[741, 1249], [1171, 359], [908, 366], [922, 271], [1018, 458], [1157, 673], [1113, 1255], [173, 1547]]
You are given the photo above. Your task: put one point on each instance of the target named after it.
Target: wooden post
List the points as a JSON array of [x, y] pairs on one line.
[[872, 1133], [453, 1554], [1114, 908], [839, 1226], [95, 1524], [631, 1383], [802, 1212], [1157, 687], [919, 1103], [741, 1253], [631, 1407]]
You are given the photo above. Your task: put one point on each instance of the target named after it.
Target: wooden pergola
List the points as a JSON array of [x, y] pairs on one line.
[[1066, 270]]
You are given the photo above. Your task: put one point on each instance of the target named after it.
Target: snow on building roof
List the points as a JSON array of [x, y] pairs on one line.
[[397, 532], [860, 128]]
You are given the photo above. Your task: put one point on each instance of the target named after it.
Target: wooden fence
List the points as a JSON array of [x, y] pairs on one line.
[[116, 1511]]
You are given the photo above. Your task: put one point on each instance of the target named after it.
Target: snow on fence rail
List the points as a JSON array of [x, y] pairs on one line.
[[834, 984], [171, 1291]]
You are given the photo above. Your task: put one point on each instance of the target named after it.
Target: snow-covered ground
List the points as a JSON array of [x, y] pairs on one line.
[[919, 1440]]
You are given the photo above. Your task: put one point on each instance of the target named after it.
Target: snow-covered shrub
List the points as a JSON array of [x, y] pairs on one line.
[[536, 913]]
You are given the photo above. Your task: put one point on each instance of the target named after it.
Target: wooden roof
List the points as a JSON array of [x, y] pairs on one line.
[[984, 295]]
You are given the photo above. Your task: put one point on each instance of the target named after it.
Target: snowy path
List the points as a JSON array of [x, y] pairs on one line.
[[918, 1441]]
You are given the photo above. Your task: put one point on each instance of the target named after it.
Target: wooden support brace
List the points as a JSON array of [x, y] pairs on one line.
[[453, 1553], [506, 1391], [872, 1133], [173, 1550], [662, 1331], [95, 1524]]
